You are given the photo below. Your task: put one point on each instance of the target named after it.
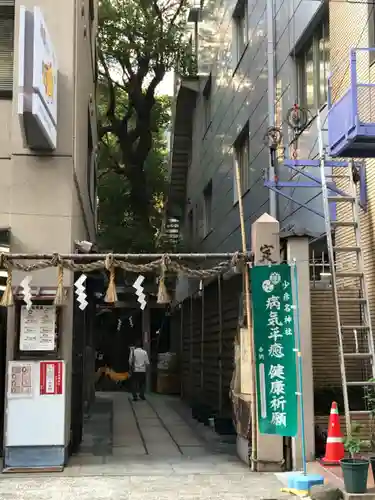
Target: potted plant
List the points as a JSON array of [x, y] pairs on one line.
[[354, 469]]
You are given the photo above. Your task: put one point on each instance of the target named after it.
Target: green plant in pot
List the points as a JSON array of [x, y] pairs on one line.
[[354, 469], [370, 406]]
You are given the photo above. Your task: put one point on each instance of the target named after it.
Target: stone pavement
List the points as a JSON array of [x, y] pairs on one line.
[[146, 450]]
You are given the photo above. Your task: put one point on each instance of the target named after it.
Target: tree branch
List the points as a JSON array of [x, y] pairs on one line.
[[177, 13], [111, 109], [158, 13], [158, 77]]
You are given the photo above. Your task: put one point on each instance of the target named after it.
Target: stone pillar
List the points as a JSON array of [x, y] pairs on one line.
[[146, 339], [265, 244], [298, 249]]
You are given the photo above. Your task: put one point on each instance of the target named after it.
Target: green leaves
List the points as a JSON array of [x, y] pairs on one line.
[[136, 32], [138, 42], [353, 443], [120, 228]]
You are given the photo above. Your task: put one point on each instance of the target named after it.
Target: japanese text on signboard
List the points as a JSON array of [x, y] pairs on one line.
[[274, 349]]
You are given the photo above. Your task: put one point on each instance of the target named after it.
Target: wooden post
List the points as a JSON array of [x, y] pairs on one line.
[[147, 341], [182, 343], [191, 350], [220, 361], [202, 341]]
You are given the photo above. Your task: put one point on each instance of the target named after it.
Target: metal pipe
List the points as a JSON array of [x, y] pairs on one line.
[[271, 95], [124, 256]]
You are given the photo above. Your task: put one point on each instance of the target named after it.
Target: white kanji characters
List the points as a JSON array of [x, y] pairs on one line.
[[267, 286], [286, 297], [288, 319], [287, 308], [275, 334], [276, 351], [279, 419], [273, 319], [273, 302], [288, 332], [278, 404], [276, 371], [275, 278], [285, 285], [277, 387]]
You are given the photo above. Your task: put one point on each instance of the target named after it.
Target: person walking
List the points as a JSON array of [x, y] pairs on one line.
[[138, 363]]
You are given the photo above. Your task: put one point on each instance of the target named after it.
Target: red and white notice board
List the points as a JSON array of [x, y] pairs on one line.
[[51, 378], [36, 403]]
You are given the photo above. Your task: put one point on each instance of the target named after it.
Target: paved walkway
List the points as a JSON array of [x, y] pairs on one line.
[[146, 450]]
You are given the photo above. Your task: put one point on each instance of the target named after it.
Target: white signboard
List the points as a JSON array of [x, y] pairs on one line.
[[20, 380], [38, 420], [37, 81], [38, 328], [44, 66]]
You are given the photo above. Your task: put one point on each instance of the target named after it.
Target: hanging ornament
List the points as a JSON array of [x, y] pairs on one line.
[[59, 297], [7, 299], [26, 291], [111, 295], [163, 295], [81, 292], [141, 297]]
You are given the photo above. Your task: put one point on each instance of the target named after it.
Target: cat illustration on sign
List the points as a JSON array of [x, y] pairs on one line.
[[48, 81]]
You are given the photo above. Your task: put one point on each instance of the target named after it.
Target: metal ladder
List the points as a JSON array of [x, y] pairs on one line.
[[363, 329]]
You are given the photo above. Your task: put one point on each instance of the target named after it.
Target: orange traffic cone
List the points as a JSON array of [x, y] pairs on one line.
[[335, 445]]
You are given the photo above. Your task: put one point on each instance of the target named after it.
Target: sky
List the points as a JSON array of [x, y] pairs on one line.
[[166, 86]]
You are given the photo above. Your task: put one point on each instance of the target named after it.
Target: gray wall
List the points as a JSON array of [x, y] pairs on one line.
[[45, 198], [239, 95]]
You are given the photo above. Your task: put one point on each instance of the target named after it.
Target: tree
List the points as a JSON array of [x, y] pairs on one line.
[[120, 229], [138, 42]]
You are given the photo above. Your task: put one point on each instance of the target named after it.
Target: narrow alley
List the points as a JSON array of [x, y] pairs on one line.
[[146, 450]]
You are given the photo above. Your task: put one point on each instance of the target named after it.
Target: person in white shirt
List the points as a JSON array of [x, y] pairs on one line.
[[138, 363]]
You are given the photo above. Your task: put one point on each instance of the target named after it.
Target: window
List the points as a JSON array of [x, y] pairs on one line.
[[241, 28], [6, 47], [207, 102], [313, 69], [242, 162], [207, 207]]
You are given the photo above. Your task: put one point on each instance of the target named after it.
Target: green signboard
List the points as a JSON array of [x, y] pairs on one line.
[[275, 355]]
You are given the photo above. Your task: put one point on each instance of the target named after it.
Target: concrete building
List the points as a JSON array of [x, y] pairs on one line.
[[232, 98], [47, 151], [256, 60]]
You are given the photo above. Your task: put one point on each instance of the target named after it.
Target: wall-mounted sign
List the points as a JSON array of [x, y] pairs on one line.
[[38, 328], [37, 82], [51, 378], [20, 380]]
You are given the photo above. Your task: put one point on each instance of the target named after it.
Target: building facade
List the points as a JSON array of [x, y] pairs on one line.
[[257, 60], [48, 181]]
